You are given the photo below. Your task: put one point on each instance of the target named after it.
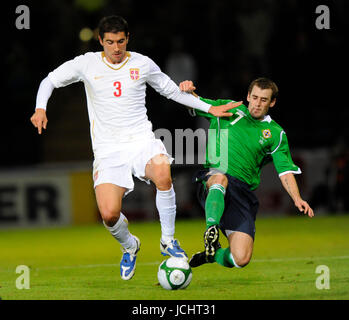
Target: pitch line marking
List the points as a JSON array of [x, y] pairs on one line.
[[153, 263], [299, 259], [158, 262]]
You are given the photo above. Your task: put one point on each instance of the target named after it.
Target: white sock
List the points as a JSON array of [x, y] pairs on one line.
[[166, 205], [121, 233]]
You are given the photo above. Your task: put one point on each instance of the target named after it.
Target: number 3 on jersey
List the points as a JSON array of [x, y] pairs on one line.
[[117, 85]]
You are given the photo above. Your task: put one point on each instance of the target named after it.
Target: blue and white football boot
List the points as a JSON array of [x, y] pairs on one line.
[[172, 249], [128, 261]]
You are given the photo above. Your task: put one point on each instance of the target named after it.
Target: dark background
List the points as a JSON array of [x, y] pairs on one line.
[[307, 64]]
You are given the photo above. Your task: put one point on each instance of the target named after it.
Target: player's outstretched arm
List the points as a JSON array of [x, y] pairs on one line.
[[217, 111], [222, 111], [290, 184], [39, 118]]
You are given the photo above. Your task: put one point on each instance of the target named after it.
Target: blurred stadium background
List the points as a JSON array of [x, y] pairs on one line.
[[221, 45]]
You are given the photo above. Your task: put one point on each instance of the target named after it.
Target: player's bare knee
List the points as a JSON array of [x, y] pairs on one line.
[[160, 173], [110, 216], [163, 181], [164, 184], [218, 179], [110, 220], [243, 262], [241, 259]]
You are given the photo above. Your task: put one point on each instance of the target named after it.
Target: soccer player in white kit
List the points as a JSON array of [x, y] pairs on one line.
[[123, 142]]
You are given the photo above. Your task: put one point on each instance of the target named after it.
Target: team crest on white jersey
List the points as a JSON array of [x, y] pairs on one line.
[[134, 73], [266, 133]]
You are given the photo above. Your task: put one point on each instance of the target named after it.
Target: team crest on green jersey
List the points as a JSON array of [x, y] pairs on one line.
[[266, 133]]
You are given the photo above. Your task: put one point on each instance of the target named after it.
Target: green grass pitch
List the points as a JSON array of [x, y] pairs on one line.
[[83, 262]]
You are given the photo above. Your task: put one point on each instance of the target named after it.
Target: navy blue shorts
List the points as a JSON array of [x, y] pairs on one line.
[[241, 204]]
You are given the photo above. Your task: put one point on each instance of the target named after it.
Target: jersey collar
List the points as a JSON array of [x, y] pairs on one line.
[[266, 119], [120, 65]]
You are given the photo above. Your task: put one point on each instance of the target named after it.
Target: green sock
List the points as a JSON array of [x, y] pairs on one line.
[[223, 257], [214, 205]]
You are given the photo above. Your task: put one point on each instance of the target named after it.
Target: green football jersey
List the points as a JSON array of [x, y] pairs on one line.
[[241, 145]]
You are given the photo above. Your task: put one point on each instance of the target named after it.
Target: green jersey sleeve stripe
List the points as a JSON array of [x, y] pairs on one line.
[[281, 133], [299, 171]]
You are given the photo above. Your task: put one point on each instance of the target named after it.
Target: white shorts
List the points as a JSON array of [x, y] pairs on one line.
[[119, 167]]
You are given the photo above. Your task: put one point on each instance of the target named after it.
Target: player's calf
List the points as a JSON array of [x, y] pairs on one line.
[[109, 201]]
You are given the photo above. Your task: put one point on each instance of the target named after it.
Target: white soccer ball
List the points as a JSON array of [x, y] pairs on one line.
[[174, 273]]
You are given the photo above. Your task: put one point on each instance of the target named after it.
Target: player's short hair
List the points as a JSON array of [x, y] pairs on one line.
[[113, 24], [265, 83]]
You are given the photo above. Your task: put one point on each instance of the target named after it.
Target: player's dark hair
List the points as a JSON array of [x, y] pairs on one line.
[[113, 24], [265, 83]]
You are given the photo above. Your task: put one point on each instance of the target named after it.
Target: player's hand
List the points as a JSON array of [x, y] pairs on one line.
[[187, 86], [304, 207], [39, 119], [221, 111]]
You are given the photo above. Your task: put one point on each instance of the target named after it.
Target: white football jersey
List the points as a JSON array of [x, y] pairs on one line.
[[115, 96]]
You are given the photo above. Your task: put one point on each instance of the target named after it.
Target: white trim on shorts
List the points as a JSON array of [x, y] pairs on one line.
[[228, 232]]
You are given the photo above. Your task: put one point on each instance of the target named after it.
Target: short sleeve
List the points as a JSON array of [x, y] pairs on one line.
[[281, 156]]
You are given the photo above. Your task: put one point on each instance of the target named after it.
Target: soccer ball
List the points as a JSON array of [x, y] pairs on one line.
[[174, 273]]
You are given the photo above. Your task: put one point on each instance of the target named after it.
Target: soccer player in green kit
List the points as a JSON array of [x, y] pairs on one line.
[[238, 147]]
